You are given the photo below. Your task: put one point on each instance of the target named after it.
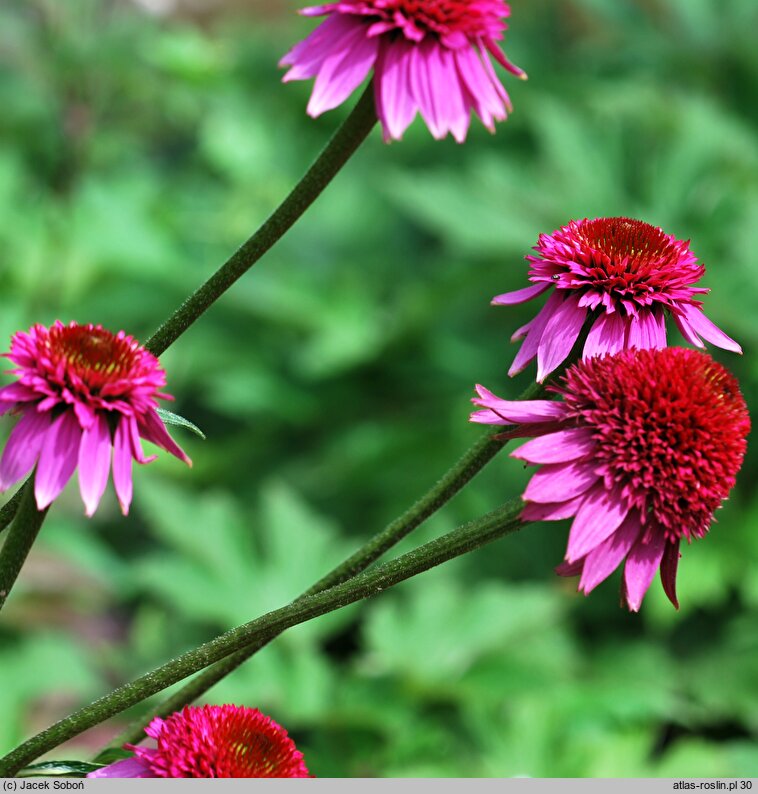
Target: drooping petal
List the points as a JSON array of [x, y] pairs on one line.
[[607, 335], [599, 516], [640, 568], [555, 511], [23, 447], [394, 101], [603, 560], [559, 336], [122, 464], [531, 344], [669, 565], [152, 429], [559, 482], [422, 88], [519, 411], [94, 463], [343, 71], [707, 329], [126, 768], [560, 447], [647, 331], [58, 458], [687, 331], [520, 295]]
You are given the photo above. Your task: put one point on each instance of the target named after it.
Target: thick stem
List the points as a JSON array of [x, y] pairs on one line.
[[462, 540], [335, 154], [470, 464], [21, 536], [10, 508]]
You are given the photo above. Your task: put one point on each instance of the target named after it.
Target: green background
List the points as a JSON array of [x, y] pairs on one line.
[[137, 151]]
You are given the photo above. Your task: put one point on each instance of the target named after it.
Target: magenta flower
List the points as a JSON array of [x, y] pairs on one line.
[[81, 391], [645, 445], [212, 741], [428, 56], [626, 274]]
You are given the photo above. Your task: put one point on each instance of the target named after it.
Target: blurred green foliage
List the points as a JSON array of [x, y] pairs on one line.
[[136, 152]]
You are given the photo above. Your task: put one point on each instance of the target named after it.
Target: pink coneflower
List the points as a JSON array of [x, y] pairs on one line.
[[428, 56], [212, 741], [625, 273], [81, 390], [645, 445]]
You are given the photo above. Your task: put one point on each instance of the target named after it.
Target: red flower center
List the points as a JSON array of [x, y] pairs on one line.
[[470, 17], [619, 260], [670, 427], [94, 355], [224, 741], [628, 244]]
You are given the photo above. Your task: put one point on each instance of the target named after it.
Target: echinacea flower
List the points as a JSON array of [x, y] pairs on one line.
[[643, 448], [428, 56], [212, 741], [626, 275], [81, 392]]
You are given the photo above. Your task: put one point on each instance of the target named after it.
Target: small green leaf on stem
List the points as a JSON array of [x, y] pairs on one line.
[[169, 418]]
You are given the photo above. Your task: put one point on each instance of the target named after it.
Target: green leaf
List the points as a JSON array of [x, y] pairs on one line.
[[169, 418], [59, 769]]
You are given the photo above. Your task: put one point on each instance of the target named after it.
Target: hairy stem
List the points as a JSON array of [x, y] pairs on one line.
[[470, 464], [335, 154], [466, 538], [21, 536], [10, 508]]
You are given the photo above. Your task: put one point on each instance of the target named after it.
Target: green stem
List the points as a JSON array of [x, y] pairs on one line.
[[10, 508], [466, 538], [335, 154], [470, 464], [17, 545]]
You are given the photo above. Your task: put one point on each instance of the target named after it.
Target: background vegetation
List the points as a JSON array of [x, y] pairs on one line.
[[137, 150]]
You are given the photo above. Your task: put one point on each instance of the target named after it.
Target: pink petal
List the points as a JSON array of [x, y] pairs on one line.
[[343, 71], [57, 459], [687, 331], [641, 565], [94, 463], [534, 511], [536, 328], [122, 464], [599, 516], [647, 331], [560, 481], [559, 336], [520, 411], [395, 104], [520, 295], [447, 89], [127, 767], [423, 89], [560, 447], [669, 565], [23, 447], [499, 56], [308, 55], [603, 560], [708, 330], [478, 90], [607, 335], [569, 568], [152, 429]]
